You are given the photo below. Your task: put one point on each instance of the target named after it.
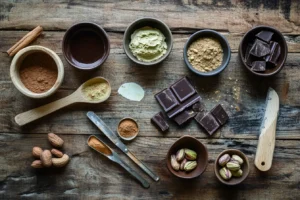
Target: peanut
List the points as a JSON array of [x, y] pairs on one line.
[[46, 158], [57, 153], [55, 140], [60, 162], [37, 151], [37, 164]]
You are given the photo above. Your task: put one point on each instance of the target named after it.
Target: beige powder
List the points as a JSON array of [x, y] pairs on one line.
[[95, 91], [205, 54]]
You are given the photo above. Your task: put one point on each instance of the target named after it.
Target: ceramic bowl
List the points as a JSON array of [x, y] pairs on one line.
[[212, 34], [128, 138], [154, 23], [244, 167], [86, 46], [17, 61], [193, 144], [249, 37]]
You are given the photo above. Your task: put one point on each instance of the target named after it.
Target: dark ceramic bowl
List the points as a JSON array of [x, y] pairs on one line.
[[193, 144], [86, 46], [154, 23], [249, 37], [224, 44], [244, 167]]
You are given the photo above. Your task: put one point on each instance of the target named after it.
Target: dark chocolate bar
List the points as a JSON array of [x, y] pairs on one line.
[[183, 89], [259, 66], [220, 114], [274, 53], [184, 116], [166, 99], [209, 123], [265, 36], [159, 121], [199, 116], [260, 48]]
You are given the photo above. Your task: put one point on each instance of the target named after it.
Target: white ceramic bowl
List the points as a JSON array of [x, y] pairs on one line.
[[17, 61], [128, 138]]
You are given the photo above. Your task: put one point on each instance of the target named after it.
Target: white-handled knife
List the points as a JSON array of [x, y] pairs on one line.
[[266, 142]]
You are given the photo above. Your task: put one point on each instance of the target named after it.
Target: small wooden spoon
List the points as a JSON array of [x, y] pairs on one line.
[[76, 97]]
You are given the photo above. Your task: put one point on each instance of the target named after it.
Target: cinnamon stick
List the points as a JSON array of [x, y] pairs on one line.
[[27, 39]]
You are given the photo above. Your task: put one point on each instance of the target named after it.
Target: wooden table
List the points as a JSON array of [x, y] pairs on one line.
[[90, 176]]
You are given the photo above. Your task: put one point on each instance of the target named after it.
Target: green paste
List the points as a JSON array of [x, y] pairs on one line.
[[148, 44]]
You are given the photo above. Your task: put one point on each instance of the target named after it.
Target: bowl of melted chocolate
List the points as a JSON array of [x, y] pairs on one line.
[[86, 46]]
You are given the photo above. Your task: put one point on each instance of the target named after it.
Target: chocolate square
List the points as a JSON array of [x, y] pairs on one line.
[[184, 116], [159, 121], [259, 66], [166, 99], [274, 54], [199, 116], [199, 106], [260, 48], [209, 123], [183, 89], [220, 114], [265, 35]]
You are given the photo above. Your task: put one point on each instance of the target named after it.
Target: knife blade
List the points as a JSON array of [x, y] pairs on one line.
[[114, 138], [266, 141]]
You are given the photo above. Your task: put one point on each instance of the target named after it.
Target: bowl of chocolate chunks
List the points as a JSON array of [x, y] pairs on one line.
[[263, 51]]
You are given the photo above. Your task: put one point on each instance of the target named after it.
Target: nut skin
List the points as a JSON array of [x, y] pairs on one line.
[[175, 165], [190, 154], [36, 152], [57, 153], [224, 160], [233, 166], [182, 164], [238, 159], [46, 158], [225, 173], [60, 162], [180, 155], [238, 173], [190, 165], [55, 140], [37, 164]]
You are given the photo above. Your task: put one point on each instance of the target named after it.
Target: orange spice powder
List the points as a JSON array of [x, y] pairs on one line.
[[128, 128]]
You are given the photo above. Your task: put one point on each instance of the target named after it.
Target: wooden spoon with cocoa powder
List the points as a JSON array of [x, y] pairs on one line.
[[88, 92]]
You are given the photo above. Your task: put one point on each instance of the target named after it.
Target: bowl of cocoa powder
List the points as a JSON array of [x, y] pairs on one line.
[[36, 71], [128, 129]]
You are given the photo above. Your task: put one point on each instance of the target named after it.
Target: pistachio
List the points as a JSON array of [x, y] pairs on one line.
[[233, 166], [224, 160], [190, 154], [225, 173], [237, 173], [175, 165], [190, 165], [238, 158], [180, 155], [182, 164]]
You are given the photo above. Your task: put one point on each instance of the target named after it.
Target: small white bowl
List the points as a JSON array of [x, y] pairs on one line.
[[15, 66], [128, 138]]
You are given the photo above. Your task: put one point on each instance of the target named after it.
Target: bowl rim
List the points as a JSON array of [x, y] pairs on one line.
[[130, 138], [14, 71], [86, 24], [285, 48], [198, 35], [126, 35], [169, 154], [216, 165]]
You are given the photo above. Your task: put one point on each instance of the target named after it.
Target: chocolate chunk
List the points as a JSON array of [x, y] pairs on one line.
[[209, 123], [159, 121], [166, 99], [260, 49], [265, 35], [199, 106], [247, 53], [186, 104], [259, 66], [274, 54], [220, 114], [199, 116], [183, 89], [184, 116]]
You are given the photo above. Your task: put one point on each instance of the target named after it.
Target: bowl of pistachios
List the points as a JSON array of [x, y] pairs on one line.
[[231, 167], [187, 158]]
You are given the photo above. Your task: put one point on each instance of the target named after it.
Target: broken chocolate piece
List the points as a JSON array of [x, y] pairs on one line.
[[166, 99], [247, 53], [220, 114], [184, 116], [209, 123], [199, 106], [159, 121], [199, 116], [259, 66], [265, 36], [274, 53], [260, 49], [183, 89]]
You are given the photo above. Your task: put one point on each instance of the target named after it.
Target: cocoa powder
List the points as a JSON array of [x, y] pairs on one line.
[[128, 128], [38, 72]]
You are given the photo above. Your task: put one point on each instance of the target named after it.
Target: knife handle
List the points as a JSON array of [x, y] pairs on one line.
[[265, 148]]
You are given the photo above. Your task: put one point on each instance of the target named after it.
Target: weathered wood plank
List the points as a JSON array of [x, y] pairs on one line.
[[181, 15], [89, 175]]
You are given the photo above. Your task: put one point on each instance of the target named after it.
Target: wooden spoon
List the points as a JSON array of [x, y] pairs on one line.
[[76, 97]]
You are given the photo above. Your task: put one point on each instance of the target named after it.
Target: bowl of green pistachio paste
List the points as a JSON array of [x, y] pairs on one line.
[[147, 41]]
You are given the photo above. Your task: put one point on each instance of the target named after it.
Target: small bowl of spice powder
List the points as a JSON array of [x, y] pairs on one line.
[[206, 53], [128, 129], [37, 71]]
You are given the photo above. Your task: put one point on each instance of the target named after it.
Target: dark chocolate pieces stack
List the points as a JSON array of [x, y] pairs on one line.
[[263, 53]]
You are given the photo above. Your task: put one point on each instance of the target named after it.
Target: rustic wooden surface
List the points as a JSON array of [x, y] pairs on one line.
[[90, 176]]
